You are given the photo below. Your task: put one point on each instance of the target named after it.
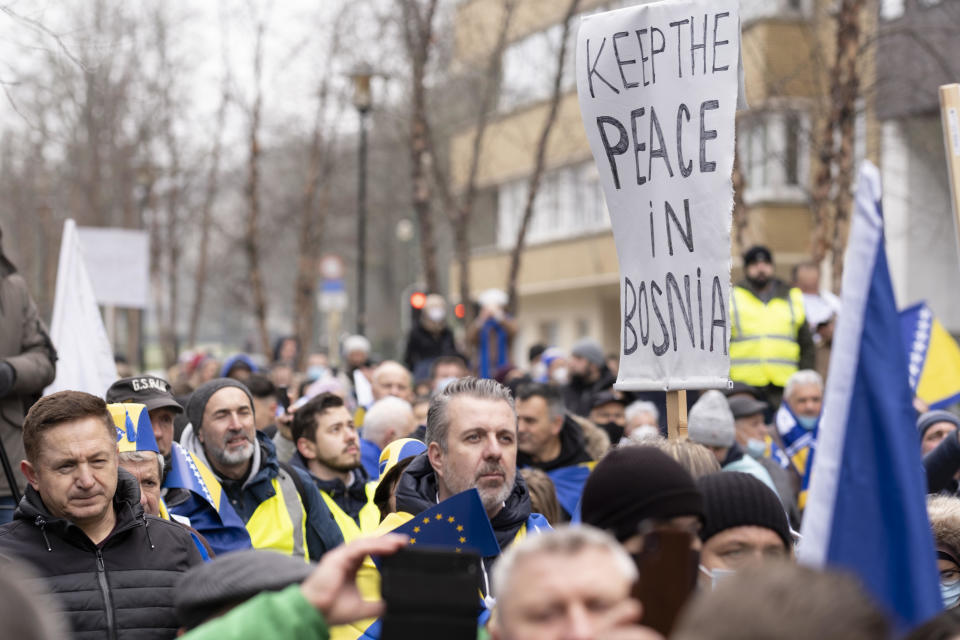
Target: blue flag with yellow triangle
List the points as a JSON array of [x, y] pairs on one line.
[[933, 357]]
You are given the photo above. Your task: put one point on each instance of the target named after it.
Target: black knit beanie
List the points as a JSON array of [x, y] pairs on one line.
[[199, 398], [734, 499], [633, 484]]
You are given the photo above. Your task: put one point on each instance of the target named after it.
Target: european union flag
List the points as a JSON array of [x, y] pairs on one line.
[[933, 357], [866, 511], [459, 522], [568, 482]]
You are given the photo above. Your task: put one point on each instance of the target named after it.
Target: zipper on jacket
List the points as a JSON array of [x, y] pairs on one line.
[[107, 599]]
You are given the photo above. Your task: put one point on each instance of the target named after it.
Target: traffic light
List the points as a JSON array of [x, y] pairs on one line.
[[459, 311], [418, 299]]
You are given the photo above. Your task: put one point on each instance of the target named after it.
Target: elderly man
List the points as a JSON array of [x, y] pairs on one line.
[[391, 378], [83, 529], [279, 505], [328, 449], [798, 418], [568, 583], [389, 418], [187, 484], [472, 443], [745, 525]]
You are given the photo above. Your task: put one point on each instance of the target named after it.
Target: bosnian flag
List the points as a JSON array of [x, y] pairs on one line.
[[866, 509]]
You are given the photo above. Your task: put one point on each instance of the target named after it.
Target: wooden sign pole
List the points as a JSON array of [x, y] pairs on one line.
[[677, 414], [950, 117]]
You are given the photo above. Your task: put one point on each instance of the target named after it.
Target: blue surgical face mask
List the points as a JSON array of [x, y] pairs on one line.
[[316, 372], [950, 594], [756, 448], [808, 422], [717, 575]]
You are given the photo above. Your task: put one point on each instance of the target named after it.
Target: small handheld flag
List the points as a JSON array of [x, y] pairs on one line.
[[459, 522]]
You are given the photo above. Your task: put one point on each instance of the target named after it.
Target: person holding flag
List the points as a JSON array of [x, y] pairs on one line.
[[189, 489]]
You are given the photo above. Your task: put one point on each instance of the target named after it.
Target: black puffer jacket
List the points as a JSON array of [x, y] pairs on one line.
[[121, 589]]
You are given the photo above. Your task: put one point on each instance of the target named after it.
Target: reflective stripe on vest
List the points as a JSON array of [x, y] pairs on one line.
[[280, 522], [763, 341], [369, 515]]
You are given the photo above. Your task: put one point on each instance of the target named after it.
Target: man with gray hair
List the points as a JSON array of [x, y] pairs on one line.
[[389, 419], [798, 418], [472, 444], [568, 583], [642, 420]]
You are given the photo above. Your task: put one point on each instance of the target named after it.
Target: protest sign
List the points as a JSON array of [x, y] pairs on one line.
[[658, 89]]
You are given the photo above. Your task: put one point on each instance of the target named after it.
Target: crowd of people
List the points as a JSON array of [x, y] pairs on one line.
[[246, 499]]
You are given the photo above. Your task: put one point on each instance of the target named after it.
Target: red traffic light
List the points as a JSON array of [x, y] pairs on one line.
[[459, 311], [418, 299]]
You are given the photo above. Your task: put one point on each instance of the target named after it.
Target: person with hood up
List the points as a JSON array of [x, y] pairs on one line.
[[80, 525], [944, 513]]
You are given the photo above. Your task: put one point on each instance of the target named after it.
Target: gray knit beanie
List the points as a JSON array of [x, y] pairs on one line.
[[589, 350], [199, 399], [710, 421]]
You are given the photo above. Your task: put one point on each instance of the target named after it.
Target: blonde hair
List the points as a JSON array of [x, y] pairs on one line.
[[543, 495], [695, 458]]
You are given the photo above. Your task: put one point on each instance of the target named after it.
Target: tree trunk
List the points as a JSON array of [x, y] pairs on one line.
[[206, 213], [848, 79], [516, 255], [418, 35], [250, 238], [741, 213], [831, 199]]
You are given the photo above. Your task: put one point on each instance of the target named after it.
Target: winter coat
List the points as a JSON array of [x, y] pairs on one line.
[[572, 449], [426, 346], [121, 588], [417, 491], [578, 396], [246, 495], [25, 346]]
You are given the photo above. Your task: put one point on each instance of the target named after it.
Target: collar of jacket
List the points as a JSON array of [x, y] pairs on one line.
[[572, 449], [264, 463], [779, 289], [417, 491], [126, 507], [335, 488]]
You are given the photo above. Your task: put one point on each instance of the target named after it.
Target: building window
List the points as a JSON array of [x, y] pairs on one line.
[[548, 332], [774, 148], [569, 203]]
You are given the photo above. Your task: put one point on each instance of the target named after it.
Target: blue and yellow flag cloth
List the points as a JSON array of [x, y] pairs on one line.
[[134, 429], [568, 482], [800, 444], [188, 472], [933, 357], [399, 450]]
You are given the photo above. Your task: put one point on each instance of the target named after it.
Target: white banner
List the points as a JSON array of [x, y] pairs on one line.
[[118, 262], [85, 359], [658, 87]]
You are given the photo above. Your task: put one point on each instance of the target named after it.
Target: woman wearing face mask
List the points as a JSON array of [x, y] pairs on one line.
[[430, 338], [944, 515]]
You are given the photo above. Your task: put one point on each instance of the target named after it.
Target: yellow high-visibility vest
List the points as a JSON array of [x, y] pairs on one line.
[[280, 522], [369, 515], [763, 340]]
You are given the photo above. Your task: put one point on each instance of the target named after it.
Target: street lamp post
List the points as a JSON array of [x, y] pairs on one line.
[[362, 101]]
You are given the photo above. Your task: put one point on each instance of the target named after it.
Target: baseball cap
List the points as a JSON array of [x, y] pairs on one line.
[[151, 391]]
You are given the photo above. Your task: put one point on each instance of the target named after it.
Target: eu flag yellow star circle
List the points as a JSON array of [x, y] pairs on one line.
[[436, 527]]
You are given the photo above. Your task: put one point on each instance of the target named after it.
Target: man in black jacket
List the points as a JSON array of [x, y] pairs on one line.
[[81, 526]]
